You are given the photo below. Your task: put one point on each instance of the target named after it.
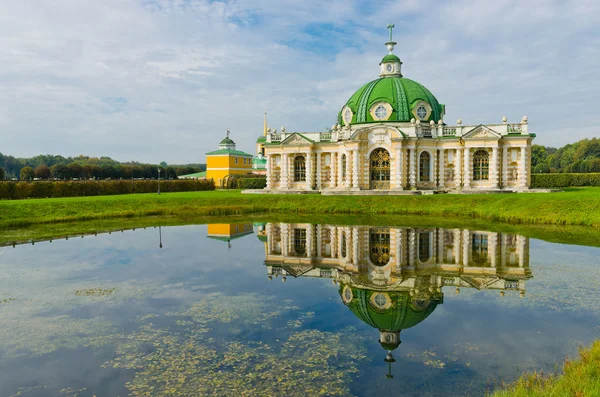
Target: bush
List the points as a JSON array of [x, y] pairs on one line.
[[41, 189], [252, 183], [564, 180]]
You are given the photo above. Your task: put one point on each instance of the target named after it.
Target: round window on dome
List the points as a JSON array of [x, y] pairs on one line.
[[380, 301], [347, 116], [381, 112], [422, 112]]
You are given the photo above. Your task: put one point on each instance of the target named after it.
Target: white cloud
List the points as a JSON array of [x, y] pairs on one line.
[[184, 71]]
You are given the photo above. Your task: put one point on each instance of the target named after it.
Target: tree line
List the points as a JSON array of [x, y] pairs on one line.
[[580, 157], [85, 167]]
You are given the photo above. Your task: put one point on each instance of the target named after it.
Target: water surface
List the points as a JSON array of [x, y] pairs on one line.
[[290, 309]]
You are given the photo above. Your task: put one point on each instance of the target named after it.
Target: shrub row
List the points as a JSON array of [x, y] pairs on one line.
[[564, 180], [251, 183], [41, 189]]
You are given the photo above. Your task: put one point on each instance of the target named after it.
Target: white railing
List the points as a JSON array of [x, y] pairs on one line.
[[515, 128], [275, 138], [426, 132], [325, 136], [449, 131]]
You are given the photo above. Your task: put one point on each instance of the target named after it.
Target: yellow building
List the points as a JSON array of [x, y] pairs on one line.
[[223, 163], [227, 232]]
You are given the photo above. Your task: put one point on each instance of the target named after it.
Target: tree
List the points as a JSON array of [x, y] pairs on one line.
[[163, 164], [75, 170], [170, 173], [26, 173], [42, 171], [2, 174], [59, 171]]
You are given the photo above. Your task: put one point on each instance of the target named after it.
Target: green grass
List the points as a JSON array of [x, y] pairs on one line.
[[580, 378], [573, 207]]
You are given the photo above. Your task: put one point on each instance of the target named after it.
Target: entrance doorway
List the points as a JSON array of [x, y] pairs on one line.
[[379, 162]]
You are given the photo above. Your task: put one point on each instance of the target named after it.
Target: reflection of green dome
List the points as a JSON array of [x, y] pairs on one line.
[[401, 312], [402, 94]]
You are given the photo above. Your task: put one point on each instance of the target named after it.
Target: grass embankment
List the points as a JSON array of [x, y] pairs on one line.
[[580, 378], [573, 207]]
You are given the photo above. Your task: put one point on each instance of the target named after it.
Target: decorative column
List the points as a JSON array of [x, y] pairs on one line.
[[493, 248], [319, 176], [521, 241], [412, 248], [319, 241], [334, 172], [269, 171], [467, 168], [505, 166], [434, 169], [309, 241], [399, 167], [355, 169], [442, 166], [284, 171], [523, 166], [456, 248], [412, 173], [309, 171], [457, 168], [398, 253], [285, 244], [466, 247], [355, 246], [494, 168], [441, 253], [347, 170]]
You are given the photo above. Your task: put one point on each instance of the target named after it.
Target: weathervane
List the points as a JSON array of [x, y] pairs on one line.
[[390, 44], [227, 132]]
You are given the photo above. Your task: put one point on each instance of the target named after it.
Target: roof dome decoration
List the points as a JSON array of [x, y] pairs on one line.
[[227, 143], [391, 97]]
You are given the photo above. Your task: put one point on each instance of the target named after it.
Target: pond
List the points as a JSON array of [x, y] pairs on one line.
[[279, 309]]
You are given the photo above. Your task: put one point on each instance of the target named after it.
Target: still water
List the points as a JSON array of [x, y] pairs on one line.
[[278, 309]]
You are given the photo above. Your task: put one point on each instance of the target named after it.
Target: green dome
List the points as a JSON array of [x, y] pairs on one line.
[[402, 94], [227, 141], [390, 58], [403, 311]]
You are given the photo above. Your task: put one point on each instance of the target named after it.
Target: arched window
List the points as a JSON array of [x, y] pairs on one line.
[[299, 169], [300, 242], [481, 165], [379, 246], [425, 167], [343, 167]]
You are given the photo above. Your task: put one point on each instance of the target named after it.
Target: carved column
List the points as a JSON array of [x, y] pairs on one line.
[[269, 171], [456, 248], [466, 247], [309, 241], [334, 169], [319, 241], [309, 171], [412, 248], [523, 167], [399, 168], [284, 171], [319, 176], [493, 248], [355, 246], [505, 166], [347, 169], [467, 168], [442, 166], [412, 173], [285, 243], [355, 169], [457, 168], [494, 168]]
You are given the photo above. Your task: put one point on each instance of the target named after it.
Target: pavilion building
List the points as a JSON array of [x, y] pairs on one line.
[[391, 136]]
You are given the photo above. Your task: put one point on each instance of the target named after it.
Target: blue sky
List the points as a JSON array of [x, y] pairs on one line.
[[153, 80]]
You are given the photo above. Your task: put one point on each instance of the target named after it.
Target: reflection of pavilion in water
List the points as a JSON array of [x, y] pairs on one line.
[[392, 278]]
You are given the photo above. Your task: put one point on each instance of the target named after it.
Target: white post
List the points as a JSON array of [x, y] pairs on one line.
[[441, 166], [309, 171], [467, 168]]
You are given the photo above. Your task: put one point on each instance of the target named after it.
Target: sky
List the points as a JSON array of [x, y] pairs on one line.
[[162, 80]]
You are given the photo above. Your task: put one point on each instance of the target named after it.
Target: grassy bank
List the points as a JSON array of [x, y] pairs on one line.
[[573, 207], [580, 378]]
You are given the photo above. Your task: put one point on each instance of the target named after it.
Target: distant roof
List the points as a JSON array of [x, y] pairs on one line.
[[191, 176], [229, 151]]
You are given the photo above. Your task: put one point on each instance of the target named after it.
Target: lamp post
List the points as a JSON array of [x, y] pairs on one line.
[[158, 180]]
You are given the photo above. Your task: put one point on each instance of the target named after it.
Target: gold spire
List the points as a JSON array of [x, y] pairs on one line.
[[265, 125]]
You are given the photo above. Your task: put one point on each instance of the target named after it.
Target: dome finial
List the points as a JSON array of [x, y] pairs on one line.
[[390, 44]]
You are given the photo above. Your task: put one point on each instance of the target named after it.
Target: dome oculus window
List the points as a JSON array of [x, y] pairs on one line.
[[347, 115], [380, 301], [381, 112], [422, 112], [389, 67]]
